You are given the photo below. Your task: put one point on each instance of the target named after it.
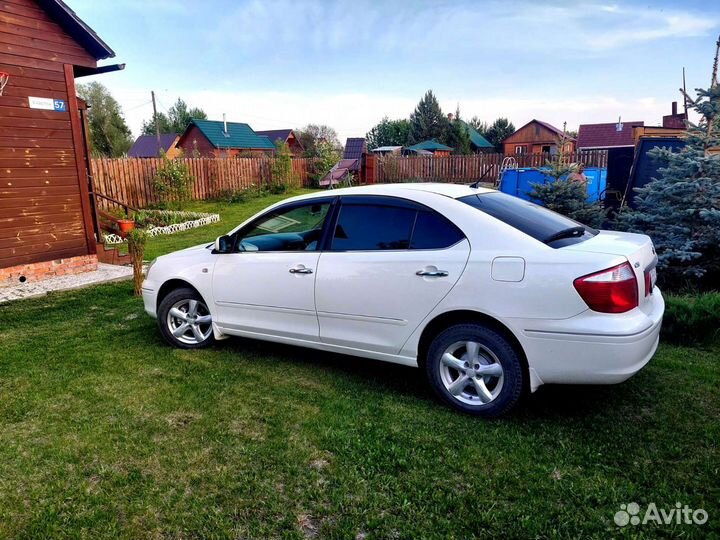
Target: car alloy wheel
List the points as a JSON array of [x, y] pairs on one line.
[[471, 372], [189, 321], [475, 369]]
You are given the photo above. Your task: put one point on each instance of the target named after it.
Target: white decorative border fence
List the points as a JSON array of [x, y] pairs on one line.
[[204, 219]]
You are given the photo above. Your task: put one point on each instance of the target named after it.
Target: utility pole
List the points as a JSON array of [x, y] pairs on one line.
[[155, 116], [685, 96]]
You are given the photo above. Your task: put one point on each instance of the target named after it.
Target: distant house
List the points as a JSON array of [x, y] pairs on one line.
[[215, 138], [606, 136], [385, 150], [146, 146], [675, 120], [429, 147], [535, 137], [286, 136], [478, 143]]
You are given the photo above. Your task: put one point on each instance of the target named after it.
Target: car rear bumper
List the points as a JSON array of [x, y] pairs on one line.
[[573, 351]]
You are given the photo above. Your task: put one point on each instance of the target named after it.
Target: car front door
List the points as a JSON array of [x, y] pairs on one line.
[[388, 264], [266, 286]]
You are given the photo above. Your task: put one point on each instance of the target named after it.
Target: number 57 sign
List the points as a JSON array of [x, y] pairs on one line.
[[47, 104]]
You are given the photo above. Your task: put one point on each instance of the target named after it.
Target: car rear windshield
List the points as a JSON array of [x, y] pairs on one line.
[[542, 224]]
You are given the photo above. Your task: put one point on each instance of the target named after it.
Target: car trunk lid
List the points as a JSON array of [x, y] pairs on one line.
[[638, 249]]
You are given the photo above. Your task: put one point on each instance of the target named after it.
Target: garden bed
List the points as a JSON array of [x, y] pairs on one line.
[[163, 222]]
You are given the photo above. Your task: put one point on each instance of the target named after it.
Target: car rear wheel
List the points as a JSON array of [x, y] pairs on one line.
[[474, 369], [185, 320]]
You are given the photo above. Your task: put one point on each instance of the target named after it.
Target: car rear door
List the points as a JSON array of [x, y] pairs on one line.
[[388, 263]]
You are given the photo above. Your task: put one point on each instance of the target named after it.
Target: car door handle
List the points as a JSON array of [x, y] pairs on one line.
[[300, 270], [432, 273]]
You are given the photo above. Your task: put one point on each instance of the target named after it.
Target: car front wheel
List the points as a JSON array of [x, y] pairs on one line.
[[185, 320], [474, 369]]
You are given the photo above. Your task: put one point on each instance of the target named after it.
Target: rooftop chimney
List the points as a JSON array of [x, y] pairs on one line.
[[225, 125], [674, 108]]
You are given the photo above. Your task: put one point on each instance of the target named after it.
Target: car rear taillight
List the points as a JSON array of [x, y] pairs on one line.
[[614, 290]]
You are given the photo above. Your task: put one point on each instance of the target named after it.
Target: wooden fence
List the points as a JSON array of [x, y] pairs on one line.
[[130, 180], [465, 169]]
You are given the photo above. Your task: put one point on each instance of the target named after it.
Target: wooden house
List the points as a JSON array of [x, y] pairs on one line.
[[284, 135], [212, 138], [535, 137], [606, 136], [47, 217], [429, 147], [148, 146]]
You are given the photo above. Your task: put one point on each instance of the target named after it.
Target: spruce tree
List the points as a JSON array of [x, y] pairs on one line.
[[427, 121], [680, 210], [567, 197]]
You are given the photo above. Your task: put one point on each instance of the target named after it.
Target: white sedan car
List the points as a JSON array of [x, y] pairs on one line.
[[490, 295]]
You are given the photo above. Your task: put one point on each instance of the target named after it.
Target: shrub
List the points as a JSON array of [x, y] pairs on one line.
[[692, 320], [234, 196], [327, 156], [281, 168], [173, 182]]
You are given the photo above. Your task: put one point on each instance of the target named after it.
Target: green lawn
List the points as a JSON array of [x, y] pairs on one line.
[[106, 432]]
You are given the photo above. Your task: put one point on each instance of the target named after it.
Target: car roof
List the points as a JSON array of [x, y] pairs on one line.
[[454, 191]]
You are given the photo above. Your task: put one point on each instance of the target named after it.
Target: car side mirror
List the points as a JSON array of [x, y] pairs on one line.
[[223, 244]]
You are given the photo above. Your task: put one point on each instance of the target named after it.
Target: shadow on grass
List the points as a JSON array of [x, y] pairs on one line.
[[549, 401]]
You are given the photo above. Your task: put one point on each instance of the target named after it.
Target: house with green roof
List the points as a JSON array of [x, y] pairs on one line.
[[478, 143], [429, 147], [218, 138]]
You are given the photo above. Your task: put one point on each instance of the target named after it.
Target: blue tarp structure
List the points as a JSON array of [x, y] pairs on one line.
[[518, 182]]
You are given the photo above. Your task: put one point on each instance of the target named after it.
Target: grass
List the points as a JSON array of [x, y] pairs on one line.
[[106, 432]]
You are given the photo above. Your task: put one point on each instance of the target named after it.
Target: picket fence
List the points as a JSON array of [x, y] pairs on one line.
[[130, 180]]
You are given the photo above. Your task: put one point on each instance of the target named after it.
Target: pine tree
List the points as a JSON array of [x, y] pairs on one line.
[[427, 121], [680, 210], [498, 130]]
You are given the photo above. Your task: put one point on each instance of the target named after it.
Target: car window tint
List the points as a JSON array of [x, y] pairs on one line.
[[433, 231], [298, 228], [534, 220], [373, 227]]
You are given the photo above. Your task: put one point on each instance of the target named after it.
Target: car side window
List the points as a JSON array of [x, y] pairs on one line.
[[294, 228], [363, 227], [433, 231]]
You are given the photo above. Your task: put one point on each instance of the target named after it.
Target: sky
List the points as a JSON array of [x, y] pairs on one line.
[[286, 63]]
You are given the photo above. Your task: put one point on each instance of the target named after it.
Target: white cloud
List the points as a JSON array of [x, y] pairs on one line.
[[417, 29]]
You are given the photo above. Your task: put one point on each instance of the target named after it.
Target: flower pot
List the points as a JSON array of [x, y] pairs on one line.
[[126, 225]]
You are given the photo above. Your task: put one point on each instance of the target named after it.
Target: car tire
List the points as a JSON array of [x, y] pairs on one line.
[[475, 370], [184, 319]]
